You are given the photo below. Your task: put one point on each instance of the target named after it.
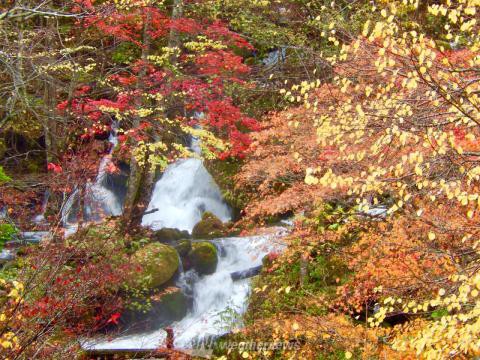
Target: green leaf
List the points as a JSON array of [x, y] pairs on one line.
[[7, 232], [334, 227], [3, 177], [438, 314]]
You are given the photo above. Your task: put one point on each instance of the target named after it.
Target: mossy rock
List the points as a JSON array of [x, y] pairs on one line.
[[167, 235], [98, 240], [158, 310], [209, 227], [172, 305], [203, 257], [183, 247], [159, 262]]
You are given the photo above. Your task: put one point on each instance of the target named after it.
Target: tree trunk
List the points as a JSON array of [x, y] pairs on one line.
[[303, 269], [136, 170], [50, 102], [136, 201], [174, 38]]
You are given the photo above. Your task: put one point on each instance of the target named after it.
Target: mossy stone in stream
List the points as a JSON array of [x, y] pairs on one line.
[[167, 235], [172, 305], [183, 247], [209, 227], [158, 262], [158, 310], [203, 257]]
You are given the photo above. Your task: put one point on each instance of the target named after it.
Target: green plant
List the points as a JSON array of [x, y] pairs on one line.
[[7, 232], [3, 177]]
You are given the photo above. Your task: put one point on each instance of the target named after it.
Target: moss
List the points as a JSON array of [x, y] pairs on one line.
[[203, 257], [223, 172], [104, 238], [209, 227], [158, 262], [324, 274], [183, 247], [157, 310], [7, 233], [173, 305], [167, 235]]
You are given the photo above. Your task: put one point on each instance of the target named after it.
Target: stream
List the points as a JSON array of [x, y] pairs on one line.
[[219, 301], [183, 193]]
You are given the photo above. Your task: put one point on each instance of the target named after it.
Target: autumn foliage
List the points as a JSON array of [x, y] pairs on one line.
[[373, 152], [391, 146]]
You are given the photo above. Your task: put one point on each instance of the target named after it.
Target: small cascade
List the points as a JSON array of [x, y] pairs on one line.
[[218, 301], [184, 192], [40, 218], [195, 141], [99, 200]]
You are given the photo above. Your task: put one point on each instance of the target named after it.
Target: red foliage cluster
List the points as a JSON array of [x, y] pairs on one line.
[[221, 63], [185, 25], [219, 31], [223, 115], [71, 289], [200, 88]]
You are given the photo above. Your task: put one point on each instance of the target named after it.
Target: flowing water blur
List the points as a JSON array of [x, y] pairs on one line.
[[219, 301], [184, 192]]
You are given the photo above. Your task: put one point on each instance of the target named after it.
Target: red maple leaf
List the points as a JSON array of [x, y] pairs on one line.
[[114, 318]]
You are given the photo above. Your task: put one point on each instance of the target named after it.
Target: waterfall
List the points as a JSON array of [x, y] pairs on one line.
[[184, 192], [40, 218], [99, 200], [218, 300]]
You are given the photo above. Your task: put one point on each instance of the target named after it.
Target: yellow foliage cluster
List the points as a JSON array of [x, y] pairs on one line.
[[8, 339], [456, 332], [404, 131]]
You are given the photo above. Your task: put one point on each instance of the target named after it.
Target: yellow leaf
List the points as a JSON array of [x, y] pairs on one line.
[[6, 344], [348, 355]]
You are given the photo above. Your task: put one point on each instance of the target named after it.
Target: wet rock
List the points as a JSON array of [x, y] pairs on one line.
[[35, 237], [203, 257], [209, 227], [6, 256], [183, 247], [171, 304], [158, 262], [245, 274], [159, 310], [167, 235]]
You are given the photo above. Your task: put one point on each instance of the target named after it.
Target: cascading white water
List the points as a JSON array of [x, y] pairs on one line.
[[184, 192], [40, 218], [216, 297], [99, 201]]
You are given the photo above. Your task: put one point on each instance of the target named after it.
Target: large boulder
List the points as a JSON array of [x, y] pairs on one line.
[[158, 310], [171, 304], [203, 257], [209, 227], [167, 235], [158, 263]]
